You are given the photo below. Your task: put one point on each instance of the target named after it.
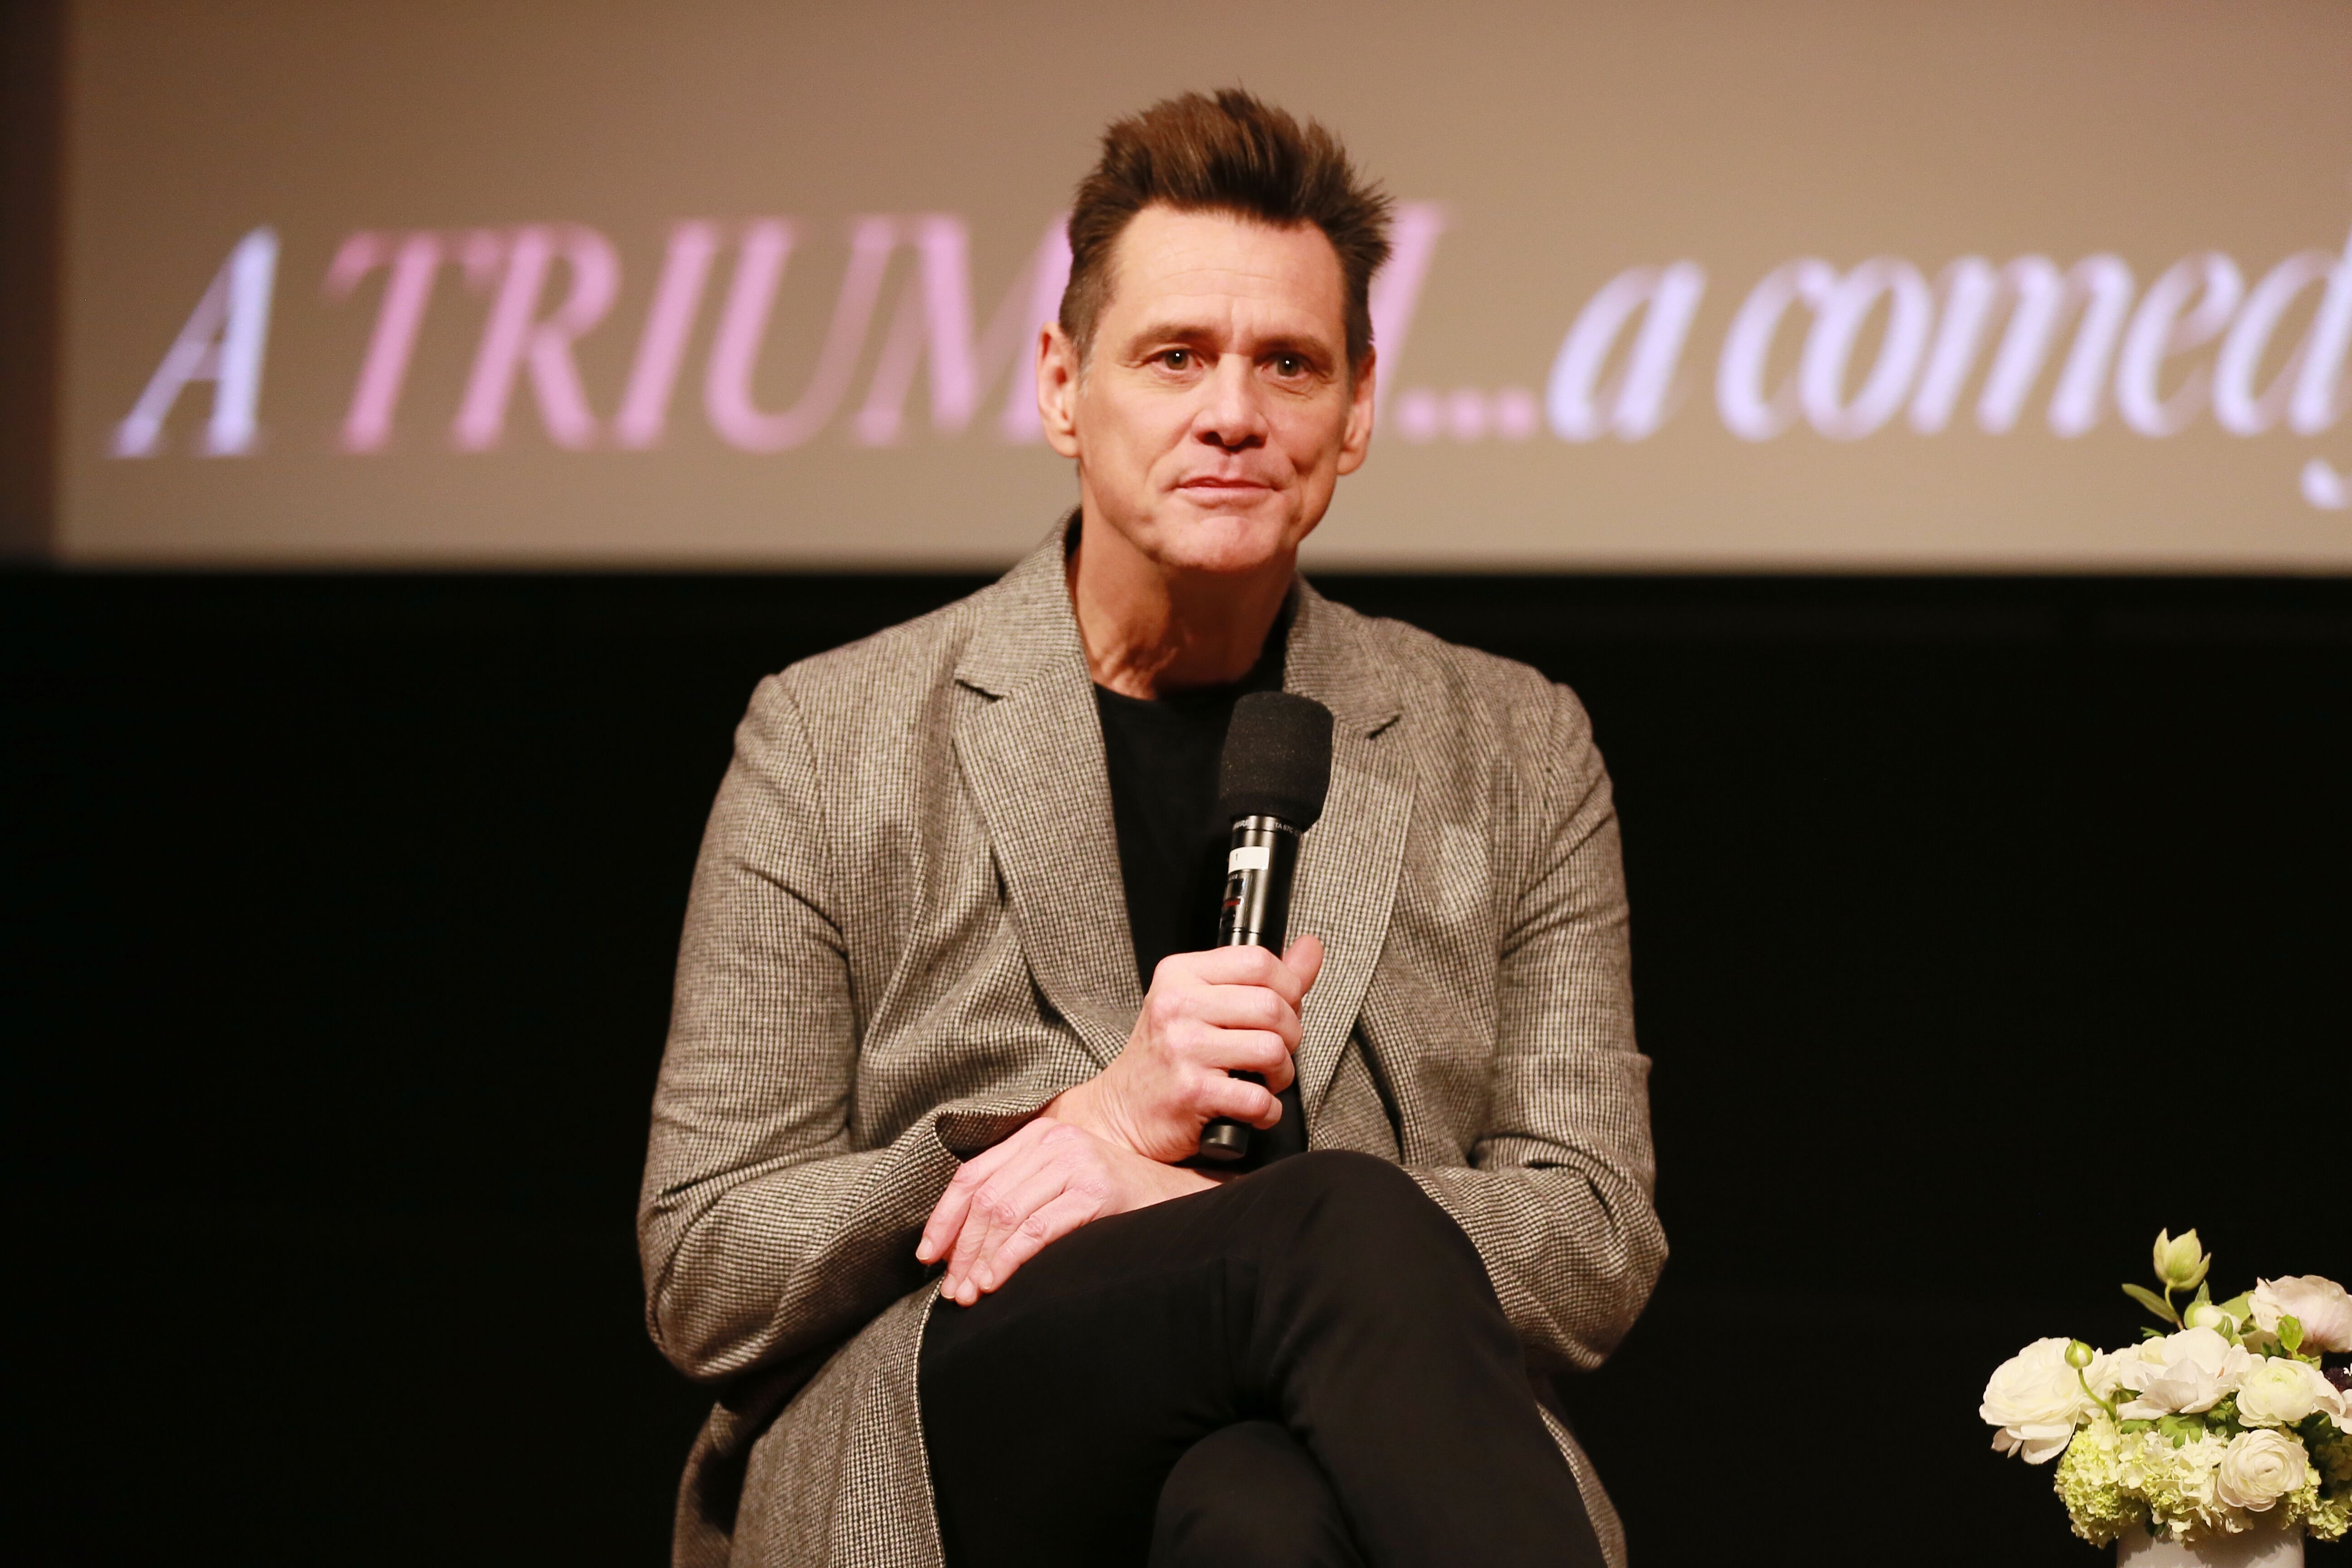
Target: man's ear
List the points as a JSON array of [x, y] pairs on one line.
[[1057, 389], [1357, 438]]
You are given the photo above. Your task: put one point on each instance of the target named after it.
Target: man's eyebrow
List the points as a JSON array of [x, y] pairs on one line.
[[1176, 328], [1173, 328]]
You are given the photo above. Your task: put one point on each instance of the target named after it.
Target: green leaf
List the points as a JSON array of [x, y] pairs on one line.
[[2147, 1333], [2152, 1301], [2290, 1331], [2241, 1307], [2181, 1429]]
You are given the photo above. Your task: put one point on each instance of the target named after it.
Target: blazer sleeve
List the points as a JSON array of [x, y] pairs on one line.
[[1558, 1194], [765, 1234]]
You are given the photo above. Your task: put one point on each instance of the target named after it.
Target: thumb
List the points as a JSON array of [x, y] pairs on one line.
[[1304, 959]]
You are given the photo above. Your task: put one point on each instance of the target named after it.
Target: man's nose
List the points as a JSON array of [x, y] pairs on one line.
[[1233, 407]]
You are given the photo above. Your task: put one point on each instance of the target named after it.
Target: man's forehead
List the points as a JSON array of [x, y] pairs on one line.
[[1176, 265]]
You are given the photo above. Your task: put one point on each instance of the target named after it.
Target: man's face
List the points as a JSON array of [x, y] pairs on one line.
[[1216, 412]]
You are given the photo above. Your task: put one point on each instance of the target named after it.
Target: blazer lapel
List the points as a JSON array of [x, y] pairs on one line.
[[1350, 861], [1032, 757]]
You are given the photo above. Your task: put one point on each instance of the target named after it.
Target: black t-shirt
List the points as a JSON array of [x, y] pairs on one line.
[[1162, 758]]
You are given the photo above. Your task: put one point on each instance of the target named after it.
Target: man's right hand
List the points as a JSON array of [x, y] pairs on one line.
[[1208, 1015]]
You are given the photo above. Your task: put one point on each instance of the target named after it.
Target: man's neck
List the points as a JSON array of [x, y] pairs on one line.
[[1148, 631]]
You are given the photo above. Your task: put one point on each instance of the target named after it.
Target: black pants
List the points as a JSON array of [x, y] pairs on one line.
[[1307, 1366]]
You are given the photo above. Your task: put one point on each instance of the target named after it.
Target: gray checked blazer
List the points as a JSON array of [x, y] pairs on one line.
[[908, 932]]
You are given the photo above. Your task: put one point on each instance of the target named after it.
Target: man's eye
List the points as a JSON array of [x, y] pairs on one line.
[[1176, 359], [1289, 365]]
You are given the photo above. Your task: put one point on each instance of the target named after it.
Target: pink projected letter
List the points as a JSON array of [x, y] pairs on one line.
[[645, 407], [2167, 323], [2237, 407], [1396, 288], [2319, 385], [1668, 297], [1838, 323], [2039, 300], [735, 356], [222, 342], [1749, 412], [936, 312], [515, 338], [414, 259]]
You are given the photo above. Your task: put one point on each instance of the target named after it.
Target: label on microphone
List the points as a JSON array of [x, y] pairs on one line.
[[1249, 858]]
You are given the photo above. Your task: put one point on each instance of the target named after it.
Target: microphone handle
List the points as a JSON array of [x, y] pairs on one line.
[[1260, 861]]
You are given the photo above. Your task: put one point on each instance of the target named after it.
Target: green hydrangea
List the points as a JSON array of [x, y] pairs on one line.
[[2089, 1484], [2330, 1451], [2329, 1516], [2174, 1475], [2330, 1511]]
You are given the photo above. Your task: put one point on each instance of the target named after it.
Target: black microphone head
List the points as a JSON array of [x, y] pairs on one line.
[[1277, 760]]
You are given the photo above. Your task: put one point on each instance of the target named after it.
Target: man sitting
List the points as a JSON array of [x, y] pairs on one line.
[[923, 1197]]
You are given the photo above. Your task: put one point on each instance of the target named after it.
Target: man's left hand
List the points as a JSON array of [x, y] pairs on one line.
[[1036, 1187]]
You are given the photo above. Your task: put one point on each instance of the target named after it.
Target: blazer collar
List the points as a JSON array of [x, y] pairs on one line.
[[1033, 758], [1030, 634]]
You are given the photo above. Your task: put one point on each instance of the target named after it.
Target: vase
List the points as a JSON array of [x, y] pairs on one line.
[[2257, 1548]]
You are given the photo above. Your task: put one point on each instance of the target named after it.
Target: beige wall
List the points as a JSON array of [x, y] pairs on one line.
[[547, 169]]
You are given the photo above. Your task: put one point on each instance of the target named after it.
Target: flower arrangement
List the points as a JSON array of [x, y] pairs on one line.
[[2223, 1421]]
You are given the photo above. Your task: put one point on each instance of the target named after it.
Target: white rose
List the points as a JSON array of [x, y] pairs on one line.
[[2260, 1468], [2181, 1373], [2036, 1400], [2323, 1307], [2278, 1391], [2105, 1374]]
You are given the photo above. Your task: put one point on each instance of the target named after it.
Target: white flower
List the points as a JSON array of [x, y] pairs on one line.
[[2260, 1468], [2181, 1264], [2181, 1373], [2321, 1306], [2176, 1484], [2279, 1392], [2105, 1374], [2036, 1400]]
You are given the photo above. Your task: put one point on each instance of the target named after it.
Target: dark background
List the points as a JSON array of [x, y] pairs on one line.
[[1982, 927]]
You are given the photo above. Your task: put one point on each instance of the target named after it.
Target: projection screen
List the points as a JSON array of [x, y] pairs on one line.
[[2026, 285]]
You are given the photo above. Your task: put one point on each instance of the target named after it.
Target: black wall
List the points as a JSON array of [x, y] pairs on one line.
[[1981, 928]]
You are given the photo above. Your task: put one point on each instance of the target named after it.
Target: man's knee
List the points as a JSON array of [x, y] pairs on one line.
[[1343, 1175], [1344, 1197], [1361, 1229]]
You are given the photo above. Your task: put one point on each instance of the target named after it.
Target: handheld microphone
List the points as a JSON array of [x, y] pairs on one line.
[[1271, 782]]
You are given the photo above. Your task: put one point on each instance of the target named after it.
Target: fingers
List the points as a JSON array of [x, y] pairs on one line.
[[1240, 966], [1050, 1178], [1190, 1014], [1005, 1202], [947, 1215], [1252, 1050], [1044, 1163], [1245, 1007], [1305, 960], [1243, 1101], [1047, 1224]]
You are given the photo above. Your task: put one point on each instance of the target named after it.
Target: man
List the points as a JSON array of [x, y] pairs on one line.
[[942, 1002]]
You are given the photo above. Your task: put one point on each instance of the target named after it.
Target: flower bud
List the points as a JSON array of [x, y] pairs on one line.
[[2078, 1354], [2206, 1315], [2181, 1264]]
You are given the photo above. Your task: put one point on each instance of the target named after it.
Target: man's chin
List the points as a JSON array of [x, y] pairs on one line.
[[1226, 539]]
